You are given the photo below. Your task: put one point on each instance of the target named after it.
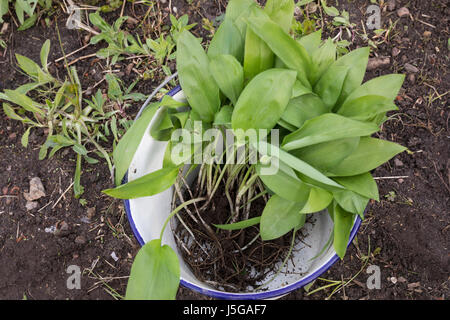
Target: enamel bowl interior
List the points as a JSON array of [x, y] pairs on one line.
[[147, 215]]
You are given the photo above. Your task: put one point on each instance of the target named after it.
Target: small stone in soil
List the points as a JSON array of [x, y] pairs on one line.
[[403, 12], [62, 229], [80, 240], [31, 205], [37, 190], [378, 62], [410, 68], [395, 52], [114, 256]]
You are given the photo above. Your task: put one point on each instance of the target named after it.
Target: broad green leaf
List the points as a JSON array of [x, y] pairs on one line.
[[303, 108], [292, 53], [227, 40], [271, 150], [351, 201], [24, 101], [311, 42], [367, 107], [147, 185], [299, 89], [369, 154], [195, 78], [356, 60], [257, 56], [124, 151], [285, 183], [239, 225], [162, 126], [329, 86], [322, 59], [281, 12], [386, 86], [169, 102], [343, 223], [263, 100], [327, 155], [223, 117], [155, 273], [4, 6], [229, 76], [327, 127], [363, 184], [237, 11], [279, 217], [318, 200], [286, 125]]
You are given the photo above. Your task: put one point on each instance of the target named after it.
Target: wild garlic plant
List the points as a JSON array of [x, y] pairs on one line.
[[255, 77]]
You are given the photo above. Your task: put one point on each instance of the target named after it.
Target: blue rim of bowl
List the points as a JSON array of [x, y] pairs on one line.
[[270, 294]]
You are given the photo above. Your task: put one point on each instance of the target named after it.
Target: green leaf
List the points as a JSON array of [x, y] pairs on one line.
[[303, 108], [229, 75], [78, 189], [239, 225], [331, 11], [351, 201], [28, 23], [25, 136], [223, 117], [270, 150], [257, 56], [363, 184], [356, 60], [237, 11], [327, 127], [299, 89], [369, 154], [317, 201], [195, 78], [343, 223], [285, 183], [147, 185], [281, 12], [4, 7], [227, 40], [30, 67], [327, 155], [22, 100], [263, 100], [292, 53], [279, 217], [386, 86], [311, 42], [162, 126], [366, 107], [323, 58], [155, 273], [329, 86], [127, 146]]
